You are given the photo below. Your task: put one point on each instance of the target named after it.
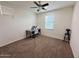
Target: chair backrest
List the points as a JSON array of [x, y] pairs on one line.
[[68, 31], [33, 28]]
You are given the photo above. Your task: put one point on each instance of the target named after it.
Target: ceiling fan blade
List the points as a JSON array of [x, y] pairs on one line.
[[39, 2], [45, 5], [34, 7], [36, 3]]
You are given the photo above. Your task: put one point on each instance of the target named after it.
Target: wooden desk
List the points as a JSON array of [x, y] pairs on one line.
[[28, 33]]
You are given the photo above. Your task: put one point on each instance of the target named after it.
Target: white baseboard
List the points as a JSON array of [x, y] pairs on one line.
[[52, 37], [72, 50], [6, 43]]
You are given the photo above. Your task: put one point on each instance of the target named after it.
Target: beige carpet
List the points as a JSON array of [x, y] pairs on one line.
[[41, 46]]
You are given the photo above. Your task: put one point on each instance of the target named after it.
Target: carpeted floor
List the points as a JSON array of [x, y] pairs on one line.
[[39, 47]]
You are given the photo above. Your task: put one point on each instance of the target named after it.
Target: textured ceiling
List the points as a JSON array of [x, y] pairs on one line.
[[27, 4]]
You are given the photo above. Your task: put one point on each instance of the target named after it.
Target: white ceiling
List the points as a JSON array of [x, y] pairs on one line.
[[27, 4]]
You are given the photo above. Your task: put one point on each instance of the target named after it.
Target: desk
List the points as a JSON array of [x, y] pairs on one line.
[[28, 33], [32, 34]]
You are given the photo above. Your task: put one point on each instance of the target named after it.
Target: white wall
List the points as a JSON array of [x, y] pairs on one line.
[[75, 31], [63, 19], [12, 28]]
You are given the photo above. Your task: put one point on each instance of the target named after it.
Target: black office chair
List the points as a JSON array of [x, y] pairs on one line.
[[67, 35], [33, 31], [39, 31]]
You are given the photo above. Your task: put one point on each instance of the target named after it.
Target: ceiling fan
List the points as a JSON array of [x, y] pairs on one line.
[[40, 6]]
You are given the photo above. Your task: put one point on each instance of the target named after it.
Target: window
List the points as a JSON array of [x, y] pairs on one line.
[[49, 22]]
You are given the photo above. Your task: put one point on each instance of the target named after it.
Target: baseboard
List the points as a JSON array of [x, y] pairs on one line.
[[11, 42], [72, 50], [52, 37]]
